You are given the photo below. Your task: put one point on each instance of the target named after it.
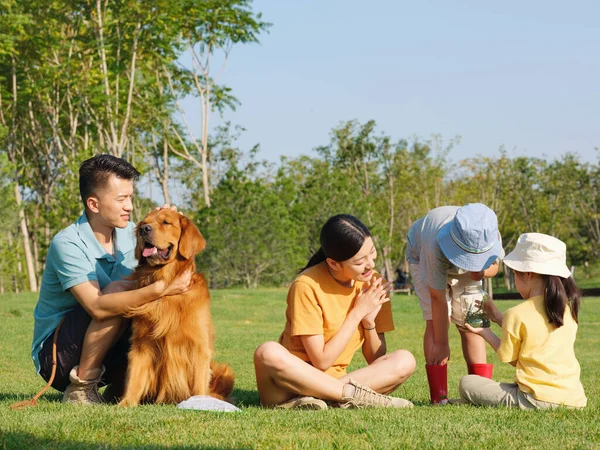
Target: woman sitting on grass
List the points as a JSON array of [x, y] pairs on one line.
[[336, 305], [538, 335]]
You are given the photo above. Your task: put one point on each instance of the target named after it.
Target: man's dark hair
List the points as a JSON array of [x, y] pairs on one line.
[[95, 172]]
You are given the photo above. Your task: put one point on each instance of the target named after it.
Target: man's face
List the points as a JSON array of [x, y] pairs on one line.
[[115, 202]]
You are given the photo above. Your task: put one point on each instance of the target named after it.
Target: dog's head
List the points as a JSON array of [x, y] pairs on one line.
[[164, 235]]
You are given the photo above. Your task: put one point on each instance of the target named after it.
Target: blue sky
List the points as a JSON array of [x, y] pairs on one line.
[[524, 75]]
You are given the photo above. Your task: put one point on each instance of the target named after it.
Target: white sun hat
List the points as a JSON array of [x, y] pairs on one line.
[[539, 253]]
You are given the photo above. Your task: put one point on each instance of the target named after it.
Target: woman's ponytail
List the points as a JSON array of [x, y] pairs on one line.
[[315, 259]]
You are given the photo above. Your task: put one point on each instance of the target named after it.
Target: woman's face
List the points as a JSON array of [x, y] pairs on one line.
[[360, 266]]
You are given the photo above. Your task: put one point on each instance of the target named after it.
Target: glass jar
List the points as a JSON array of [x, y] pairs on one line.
[[472, 301]]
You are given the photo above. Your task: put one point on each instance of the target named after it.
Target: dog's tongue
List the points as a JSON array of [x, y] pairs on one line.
[[149, 251]]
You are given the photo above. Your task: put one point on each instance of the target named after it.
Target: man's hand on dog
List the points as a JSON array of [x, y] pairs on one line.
[[167, 206], [180, 285]]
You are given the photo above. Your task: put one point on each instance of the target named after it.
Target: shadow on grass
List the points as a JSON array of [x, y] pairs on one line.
[[242, 397], [16, 439], [18, 397]]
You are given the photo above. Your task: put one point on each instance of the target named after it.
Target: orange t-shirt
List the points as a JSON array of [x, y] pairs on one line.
[[318, 304]]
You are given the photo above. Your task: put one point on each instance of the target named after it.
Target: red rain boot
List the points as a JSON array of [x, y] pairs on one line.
[[437, 377], [483, 370]]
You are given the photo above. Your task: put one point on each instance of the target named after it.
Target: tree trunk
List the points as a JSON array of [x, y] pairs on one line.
[[10, 245], [387, 264], [35, 244], [36, 256], [47, 231], [490, 287], [390, 274], [164, 181], [507, 280], [25, 232], [15, 285], [34, 240], [205, 185]]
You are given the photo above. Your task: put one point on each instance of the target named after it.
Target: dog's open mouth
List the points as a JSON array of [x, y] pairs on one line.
[[150, 251]]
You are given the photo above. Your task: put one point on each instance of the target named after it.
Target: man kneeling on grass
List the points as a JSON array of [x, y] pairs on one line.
[[83, 291]]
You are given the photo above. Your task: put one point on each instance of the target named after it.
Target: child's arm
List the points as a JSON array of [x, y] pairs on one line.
[[486, 334], [489, 337], [493, 312]]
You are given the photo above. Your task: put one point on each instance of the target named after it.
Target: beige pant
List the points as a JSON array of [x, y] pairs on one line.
[[485, 392], [455, 287]]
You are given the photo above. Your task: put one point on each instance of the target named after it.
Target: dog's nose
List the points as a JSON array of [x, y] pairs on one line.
[[145, 229]]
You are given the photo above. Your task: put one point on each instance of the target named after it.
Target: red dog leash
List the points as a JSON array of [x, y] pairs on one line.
[[33, 401]]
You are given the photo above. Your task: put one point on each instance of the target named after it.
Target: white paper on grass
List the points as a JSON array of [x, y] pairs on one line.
[[207, 403]]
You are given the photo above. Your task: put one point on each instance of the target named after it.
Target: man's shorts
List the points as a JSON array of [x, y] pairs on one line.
[[68, 352], [455, 287]]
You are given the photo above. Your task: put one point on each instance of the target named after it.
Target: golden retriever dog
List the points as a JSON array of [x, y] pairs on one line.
[[172, 338]]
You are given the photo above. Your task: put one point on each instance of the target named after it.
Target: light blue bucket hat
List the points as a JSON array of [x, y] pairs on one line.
[[471, 241]]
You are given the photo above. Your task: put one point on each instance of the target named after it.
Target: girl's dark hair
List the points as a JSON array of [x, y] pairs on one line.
[[342, 236], [95, 172], [559, 293]]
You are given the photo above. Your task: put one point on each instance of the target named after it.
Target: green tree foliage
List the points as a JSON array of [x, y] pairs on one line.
[[83, 77], [251, 238], [364, 173], [388, 185], [11, 252]]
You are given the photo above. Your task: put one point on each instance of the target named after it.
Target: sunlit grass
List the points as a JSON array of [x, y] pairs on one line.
[[244, 319]]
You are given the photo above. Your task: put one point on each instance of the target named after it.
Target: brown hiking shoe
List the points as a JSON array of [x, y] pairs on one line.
[[356, 396], [303, 402], [83, 392]]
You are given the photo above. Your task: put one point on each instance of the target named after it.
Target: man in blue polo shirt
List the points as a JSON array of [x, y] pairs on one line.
[[83, 287]]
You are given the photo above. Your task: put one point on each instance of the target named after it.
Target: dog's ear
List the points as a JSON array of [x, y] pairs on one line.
[[138, 242], [191, 240]]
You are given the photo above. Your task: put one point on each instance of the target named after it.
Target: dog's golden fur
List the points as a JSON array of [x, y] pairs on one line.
[[172, 343]]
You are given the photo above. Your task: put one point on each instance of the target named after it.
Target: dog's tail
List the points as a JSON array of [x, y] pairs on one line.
[[221, 383]]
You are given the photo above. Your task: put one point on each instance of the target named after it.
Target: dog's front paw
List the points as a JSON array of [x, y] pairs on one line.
[[127, 402]]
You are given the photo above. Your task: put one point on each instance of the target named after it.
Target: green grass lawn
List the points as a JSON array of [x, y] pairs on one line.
[[243, 320]]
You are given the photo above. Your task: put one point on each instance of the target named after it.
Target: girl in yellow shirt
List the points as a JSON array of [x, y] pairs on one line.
[[538, 336], [336, 305]]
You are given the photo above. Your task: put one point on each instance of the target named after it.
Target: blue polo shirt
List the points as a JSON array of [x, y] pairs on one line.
[[74, 257]]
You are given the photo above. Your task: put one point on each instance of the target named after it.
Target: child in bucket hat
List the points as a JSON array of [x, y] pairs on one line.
[[538, 336], [448, 249]]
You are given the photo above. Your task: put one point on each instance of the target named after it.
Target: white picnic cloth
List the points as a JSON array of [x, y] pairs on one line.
[[207, 403]]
